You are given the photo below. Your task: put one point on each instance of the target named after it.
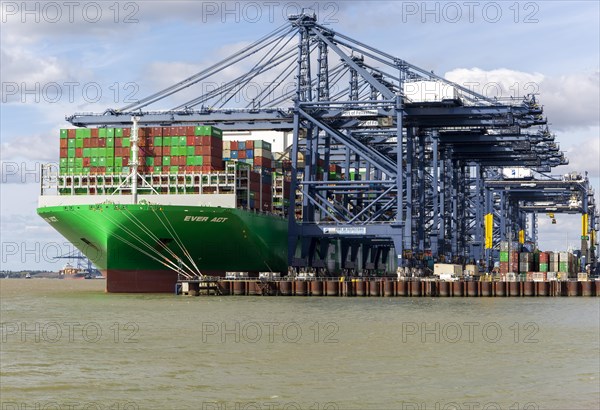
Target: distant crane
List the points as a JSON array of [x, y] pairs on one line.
[[84, 264]]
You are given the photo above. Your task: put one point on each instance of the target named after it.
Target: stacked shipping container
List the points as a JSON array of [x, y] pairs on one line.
[[101, 151], [542, 262]]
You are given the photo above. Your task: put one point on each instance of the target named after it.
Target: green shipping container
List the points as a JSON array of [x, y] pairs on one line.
[[94, 152], [563, 267], [78, 143], [118, 162], [79, 170], [83, 133], [87, 152], [174, 169], [86, 170], [176, 151], [79, 162], [208, 130], [64, 133], [63, 162], [71, 171], [71, 143], [101, 162], [110, 132], [166, 161], [110, 161], [110, 170], [503, 256], [543, 267], [262, 145], [190, 161], [71, 162], [166, 141], [118, 132], [102, 132], [189, 151], [110, 142], [158, 141], [149, 161], [199, 160], [94, 161], [71, 152], [182, 141], [125, 142]]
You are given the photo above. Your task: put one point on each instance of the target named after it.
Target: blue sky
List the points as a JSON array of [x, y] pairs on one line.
[[151, 44]]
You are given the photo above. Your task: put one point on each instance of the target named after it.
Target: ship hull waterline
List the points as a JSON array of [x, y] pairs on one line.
[[142, 247]]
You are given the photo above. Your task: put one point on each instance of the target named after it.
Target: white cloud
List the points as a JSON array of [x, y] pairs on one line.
[[31, 147], [585, 156], [570, 100]]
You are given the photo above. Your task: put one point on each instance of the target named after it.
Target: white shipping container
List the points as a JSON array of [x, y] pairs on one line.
[[516, 173], [447, 268], [429, 91]]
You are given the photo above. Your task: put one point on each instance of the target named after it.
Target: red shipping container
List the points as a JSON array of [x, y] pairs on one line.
[[242, 154], [198, 150], [71, 134], [234, 146], [190, 130], [87, 162], [254, 176], [64, 143], [166, 169], [64, 152], [157, 161], [190, 168], [250, 144], [87, 143], [94, 132], [101, 142], [94, 142], [263, 162], [78, 152], [127, 132], [166, 151], [118, 142], [191, 140], [174, 161], [208, 140], [142, 142]]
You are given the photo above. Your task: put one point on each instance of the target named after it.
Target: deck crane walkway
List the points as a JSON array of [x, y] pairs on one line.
[[415, 169]]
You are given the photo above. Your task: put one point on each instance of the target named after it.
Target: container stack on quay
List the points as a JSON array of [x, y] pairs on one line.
[[536, 265]]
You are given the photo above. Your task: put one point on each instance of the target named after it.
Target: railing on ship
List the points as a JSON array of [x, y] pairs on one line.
[[235, 179]]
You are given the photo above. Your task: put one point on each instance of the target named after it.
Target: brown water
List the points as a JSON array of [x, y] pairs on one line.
[[68, 345]]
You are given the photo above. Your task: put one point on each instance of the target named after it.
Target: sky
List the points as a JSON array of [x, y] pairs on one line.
[[59, 58]]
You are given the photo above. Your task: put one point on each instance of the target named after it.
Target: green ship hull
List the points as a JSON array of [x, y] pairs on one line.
[[144, 247]]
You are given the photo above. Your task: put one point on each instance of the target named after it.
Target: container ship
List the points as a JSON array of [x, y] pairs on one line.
[[150, 205]]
